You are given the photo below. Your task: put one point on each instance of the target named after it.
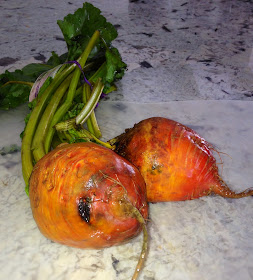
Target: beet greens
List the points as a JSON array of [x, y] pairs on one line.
[[67, 99]]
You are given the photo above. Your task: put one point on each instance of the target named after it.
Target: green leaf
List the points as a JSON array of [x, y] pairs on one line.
[[73, 111], [33, 70], [13, 95], [56, 60], [111, 70], [115, 66], [78, 28]]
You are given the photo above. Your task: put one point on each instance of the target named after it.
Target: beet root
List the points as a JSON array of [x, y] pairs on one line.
[[82, 195], [175, 162], [86, 196]]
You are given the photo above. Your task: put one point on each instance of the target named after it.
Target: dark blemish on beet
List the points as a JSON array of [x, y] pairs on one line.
[[145, 64], [185, 3], [5, 61], [84, 209], [156, 167]]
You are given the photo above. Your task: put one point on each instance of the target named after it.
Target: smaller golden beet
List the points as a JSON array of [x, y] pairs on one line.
[[175, 162]]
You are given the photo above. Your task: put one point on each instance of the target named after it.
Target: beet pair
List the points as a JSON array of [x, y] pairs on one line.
[[88, 196]]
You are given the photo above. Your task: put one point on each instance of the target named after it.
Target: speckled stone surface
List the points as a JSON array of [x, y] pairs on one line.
[[190, 61], [175, 50]]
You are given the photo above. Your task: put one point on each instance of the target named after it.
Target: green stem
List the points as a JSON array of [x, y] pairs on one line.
[[71, 92], [92, 123], [101, 72], [61, 136], [26, 153], [42, 128], [86, 95], [92, 102], [62, 126], [85, 112], [18, 82]]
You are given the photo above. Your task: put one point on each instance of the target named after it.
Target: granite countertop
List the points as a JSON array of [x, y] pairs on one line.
[[190, 61]]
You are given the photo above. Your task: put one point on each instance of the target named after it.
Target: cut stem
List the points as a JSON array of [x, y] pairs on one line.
[[66, 125]]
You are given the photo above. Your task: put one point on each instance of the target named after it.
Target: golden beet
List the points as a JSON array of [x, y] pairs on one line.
[[86, 196], [175, 162]]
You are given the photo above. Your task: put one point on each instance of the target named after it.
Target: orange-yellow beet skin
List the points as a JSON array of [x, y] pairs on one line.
[[95, 174], [175, 162]]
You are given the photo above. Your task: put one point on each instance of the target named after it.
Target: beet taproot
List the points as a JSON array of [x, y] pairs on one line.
[[86, 196], [175, 162]]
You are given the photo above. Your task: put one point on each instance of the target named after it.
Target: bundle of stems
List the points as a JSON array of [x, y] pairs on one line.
[[46, 128]]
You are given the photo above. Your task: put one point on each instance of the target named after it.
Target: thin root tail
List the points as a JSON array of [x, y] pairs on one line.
[[223, 190]]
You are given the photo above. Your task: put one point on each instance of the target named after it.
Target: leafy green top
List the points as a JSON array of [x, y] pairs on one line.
[[77, 30]]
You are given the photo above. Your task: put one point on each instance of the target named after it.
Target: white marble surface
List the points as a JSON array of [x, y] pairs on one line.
[[208, 238], [187, 60]]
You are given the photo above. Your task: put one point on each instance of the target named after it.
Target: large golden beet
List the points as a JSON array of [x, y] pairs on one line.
[[86, 196]]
